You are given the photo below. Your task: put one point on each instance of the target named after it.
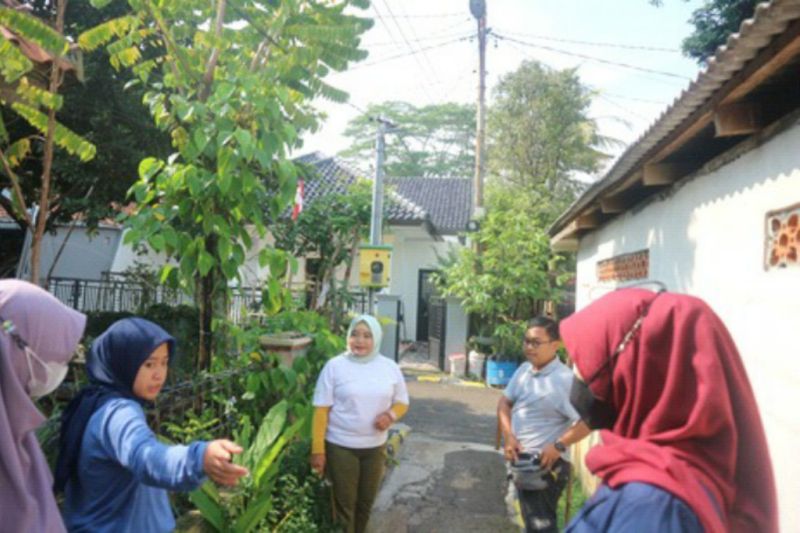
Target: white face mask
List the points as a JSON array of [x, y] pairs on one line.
[[55, 372]]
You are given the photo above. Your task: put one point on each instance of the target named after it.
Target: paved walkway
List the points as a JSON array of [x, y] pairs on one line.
[[449, 476]]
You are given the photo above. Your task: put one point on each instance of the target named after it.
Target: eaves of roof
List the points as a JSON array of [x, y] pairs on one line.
[[720, 83]]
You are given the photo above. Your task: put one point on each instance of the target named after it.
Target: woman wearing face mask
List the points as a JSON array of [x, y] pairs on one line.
[[38, 335], [359, 394], [682, 446], [113, 469]]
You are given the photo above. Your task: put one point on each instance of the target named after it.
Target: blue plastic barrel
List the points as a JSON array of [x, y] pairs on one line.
[[499, 372]]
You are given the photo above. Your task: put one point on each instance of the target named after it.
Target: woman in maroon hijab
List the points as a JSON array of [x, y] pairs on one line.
[[682, 446]]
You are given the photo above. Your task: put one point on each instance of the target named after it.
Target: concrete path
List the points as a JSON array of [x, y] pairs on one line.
[[449, 476]]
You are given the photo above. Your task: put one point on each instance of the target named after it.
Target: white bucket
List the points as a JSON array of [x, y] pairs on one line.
[[477, 361], [458, 364]]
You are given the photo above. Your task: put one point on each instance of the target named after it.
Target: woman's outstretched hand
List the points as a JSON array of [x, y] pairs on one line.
[[217, 462]]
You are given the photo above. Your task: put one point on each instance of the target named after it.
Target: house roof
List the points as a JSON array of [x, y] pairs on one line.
[[447, 200], [441, 203], [696, 127]]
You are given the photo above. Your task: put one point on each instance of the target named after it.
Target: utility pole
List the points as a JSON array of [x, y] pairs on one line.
[[375, 228], [478, 9]]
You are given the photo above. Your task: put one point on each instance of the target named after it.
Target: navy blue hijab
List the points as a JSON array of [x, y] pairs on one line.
[[112, 366]]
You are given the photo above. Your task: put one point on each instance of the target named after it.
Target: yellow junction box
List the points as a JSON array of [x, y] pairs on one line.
[[374, 265]]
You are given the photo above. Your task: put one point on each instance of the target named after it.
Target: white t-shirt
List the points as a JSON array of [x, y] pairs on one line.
[[357, 393]]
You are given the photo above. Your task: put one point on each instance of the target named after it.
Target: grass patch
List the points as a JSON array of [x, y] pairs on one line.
[[577, 501]]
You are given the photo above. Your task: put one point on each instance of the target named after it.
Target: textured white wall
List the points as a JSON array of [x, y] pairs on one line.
[[708, 239]]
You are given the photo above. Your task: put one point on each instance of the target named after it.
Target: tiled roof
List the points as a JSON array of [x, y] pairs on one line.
[[333, 176], [447, 200], [768, 22]]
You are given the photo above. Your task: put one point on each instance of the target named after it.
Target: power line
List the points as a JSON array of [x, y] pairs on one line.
[[593, 43], [391, 35], [407, 54], [431, 16], [421, 39], [410, 46], [591, 58]]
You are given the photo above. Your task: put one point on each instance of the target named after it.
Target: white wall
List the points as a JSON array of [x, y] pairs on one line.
[[414, 250], [708, 239], [85, 256]]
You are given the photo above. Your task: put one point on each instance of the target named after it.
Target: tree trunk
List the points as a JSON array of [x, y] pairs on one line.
[[205, 301], [44, 194]]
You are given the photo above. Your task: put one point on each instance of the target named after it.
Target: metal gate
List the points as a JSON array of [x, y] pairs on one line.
[[437, 330]]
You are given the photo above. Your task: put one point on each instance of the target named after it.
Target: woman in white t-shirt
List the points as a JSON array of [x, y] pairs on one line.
[[359, 394]]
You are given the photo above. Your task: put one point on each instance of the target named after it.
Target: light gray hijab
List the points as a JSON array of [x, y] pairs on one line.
[[377, 334], [52, 330]]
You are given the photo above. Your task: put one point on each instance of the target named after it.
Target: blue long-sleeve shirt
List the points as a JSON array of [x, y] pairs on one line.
[[124, 473]]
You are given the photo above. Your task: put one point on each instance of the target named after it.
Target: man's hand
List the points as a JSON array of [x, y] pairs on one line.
[[512, 448], [383, 421], [217, 462], [318, 463], [549, 455]]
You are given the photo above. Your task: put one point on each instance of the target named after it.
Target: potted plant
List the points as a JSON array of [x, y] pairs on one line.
[[507, 354]]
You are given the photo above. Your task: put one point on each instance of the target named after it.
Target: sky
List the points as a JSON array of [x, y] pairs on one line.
[[426, 52]]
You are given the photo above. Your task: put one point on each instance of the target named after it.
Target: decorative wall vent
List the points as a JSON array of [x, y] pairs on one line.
[[625, 267], [783, 238]]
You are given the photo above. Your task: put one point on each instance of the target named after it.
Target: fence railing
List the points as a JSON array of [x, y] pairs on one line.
[[112, 295]]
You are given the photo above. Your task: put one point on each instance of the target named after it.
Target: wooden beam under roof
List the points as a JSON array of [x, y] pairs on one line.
[[659, 174], [738, 118], [612, 205]]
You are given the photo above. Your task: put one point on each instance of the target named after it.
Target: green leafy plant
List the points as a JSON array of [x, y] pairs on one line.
[[232, 84], [242, 509]]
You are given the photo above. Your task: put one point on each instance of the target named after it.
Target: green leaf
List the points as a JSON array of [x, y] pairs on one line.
[[13, 63], [18, 151], [269, 430], [103, 33], [254, 513], [34, 30], [246, 144], [205, 262], [64, 137], [149, 167], [99, 4], [206, 499]]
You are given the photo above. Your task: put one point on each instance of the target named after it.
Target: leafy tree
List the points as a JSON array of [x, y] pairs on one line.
[[713, 22], [434, 141], [30, 93], [540, 133], [330, 231], [231, 82], [515, 272], [102, 110]]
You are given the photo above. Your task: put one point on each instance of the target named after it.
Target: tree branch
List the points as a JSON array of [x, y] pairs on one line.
[[208, 77]]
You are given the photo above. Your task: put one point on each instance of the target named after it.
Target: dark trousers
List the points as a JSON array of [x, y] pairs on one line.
[[356, 477], [539, 507]]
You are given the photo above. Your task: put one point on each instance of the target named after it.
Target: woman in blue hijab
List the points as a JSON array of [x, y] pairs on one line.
[[114, 471]]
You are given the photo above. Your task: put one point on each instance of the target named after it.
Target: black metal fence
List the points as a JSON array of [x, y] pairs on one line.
[[114, 295]]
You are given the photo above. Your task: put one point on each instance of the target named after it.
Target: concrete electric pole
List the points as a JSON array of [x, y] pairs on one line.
[[478, 10]]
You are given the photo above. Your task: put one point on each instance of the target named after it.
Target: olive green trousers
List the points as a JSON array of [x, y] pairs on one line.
[[356, 477]]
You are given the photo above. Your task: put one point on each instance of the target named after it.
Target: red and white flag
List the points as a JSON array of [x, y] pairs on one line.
[[298, 199]]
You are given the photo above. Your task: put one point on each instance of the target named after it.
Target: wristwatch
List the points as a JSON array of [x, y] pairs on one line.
[[558, 445]]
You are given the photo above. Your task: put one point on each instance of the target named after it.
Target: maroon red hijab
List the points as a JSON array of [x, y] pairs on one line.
[[687, 418]]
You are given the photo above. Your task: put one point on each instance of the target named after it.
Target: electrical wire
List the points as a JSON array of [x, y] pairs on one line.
[[407, 54], [591, 58], [594, 43], [432, 69]]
